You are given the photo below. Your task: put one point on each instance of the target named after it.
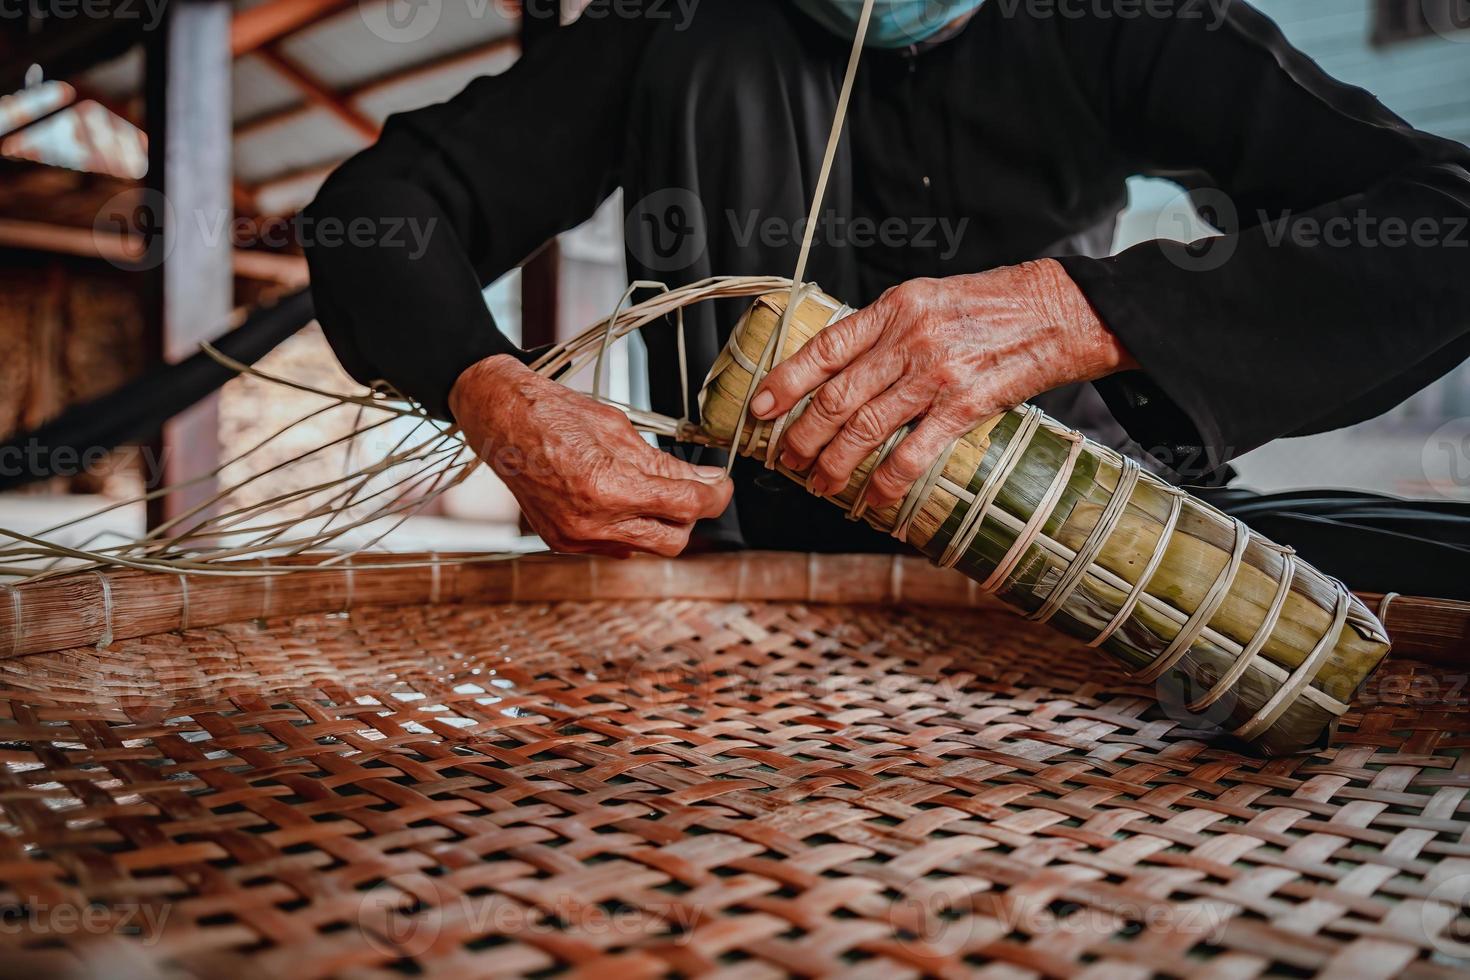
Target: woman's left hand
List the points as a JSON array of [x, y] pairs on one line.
[[952, 352]]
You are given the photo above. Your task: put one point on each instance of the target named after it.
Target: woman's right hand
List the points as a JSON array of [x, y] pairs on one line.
[[586, 481]]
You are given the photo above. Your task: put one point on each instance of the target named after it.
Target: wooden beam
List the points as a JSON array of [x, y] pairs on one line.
[[287, 270], [241, 197], [541, 296], [69, 45], [439, 65], [265, 187], [318, 94], [120, 109], [258, 26], [189, 75], [435, 66], [68, 98], [541, 274], [127, 250]]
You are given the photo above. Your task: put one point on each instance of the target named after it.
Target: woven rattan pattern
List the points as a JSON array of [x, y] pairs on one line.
[[679, 787]]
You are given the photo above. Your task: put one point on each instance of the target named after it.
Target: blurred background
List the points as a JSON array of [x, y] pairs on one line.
[[280, 91]]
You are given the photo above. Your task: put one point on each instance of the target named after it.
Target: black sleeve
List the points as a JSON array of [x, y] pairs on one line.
[[402, 237], [1342, 284]]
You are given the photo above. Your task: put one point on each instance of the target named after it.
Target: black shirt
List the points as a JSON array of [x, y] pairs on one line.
[[1341, 287]]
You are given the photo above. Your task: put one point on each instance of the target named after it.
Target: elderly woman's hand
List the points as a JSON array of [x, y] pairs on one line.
[[953, 351], [586, 481]]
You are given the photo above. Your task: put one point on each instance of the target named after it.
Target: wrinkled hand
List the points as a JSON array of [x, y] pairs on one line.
[[585, 479], [953, 352]]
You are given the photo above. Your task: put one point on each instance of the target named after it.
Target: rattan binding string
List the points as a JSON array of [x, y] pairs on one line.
[[1263, 633], [1029, 533], [979, 508], [1202, 614], [16, 619], [183, 602], [800, 288], [1136, 591], [105, 640], [1078, 567]]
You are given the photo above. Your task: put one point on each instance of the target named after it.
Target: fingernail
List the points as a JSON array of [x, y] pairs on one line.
[[821, 486], [792, 461], [764, 402], [710, 473]]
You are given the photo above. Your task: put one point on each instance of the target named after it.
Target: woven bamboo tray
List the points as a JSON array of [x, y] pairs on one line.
[[742, 766]]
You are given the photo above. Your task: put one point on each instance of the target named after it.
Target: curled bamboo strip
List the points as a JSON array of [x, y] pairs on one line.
[[1233, 631]]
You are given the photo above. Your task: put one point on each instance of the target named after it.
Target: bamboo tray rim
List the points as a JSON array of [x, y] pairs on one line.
[[98, 608]]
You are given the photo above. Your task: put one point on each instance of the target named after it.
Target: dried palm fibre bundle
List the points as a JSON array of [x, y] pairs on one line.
[[1234, 631]]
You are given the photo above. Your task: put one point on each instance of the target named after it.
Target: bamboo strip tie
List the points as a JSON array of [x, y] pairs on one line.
[[16, 618], [1263, 633], [1043, 511], [1093, 546], [979, 509], [1206, 610], [105, 640], [1176, 507], [183, 603], [1300, 678]]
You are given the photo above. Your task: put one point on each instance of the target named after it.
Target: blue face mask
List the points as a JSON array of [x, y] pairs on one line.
[[895, 23]]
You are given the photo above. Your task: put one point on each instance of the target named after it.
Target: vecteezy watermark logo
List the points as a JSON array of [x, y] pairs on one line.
[[401, 21], [942, 235], [139, 229], [1191, 700], [1363, 229], [1443, 916], [936, 922], [667, 230], [1183, 229], [145, 922], [405, 916], [402, 916], [919, 20], [1446, 460], [1212, 12], [33, 460], [1450, 19], [677, 677], [407, 21], [131, 229], [150, 12], [1179, 233]]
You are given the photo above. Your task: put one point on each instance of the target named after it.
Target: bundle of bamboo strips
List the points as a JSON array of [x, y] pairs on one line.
[[1234, 631]]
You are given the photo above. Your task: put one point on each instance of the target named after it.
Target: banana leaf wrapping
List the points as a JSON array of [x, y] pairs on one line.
[[1233, 632]]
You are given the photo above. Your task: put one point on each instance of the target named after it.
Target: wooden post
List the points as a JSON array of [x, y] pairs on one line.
[[190, 199], [541, 275]]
